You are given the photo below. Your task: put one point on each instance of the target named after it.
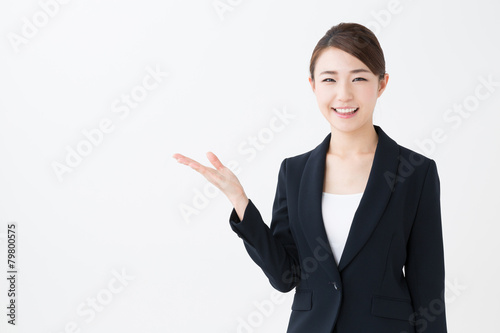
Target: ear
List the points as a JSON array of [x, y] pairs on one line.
[[382, 84], [311, 82]]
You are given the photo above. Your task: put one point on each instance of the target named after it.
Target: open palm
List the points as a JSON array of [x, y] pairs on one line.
[[221, 177]]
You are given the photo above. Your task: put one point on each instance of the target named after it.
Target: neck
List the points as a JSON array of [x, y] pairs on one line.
[[360, 141]]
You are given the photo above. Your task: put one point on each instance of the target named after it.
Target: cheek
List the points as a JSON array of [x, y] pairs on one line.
[[324, 95], [368, 94]]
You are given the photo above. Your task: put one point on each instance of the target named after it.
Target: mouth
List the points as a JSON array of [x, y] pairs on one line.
[[346, 111]]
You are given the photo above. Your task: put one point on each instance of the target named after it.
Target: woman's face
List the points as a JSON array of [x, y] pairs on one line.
[[344, 83]]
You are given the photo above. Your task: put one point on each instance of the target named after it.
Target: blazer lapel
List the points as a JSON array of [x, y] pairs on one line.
[[373, 202]]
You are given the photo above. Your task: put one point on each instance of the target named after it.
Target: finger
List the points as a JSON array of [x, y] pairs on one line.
[[197, 166], [215, 161], [213, 176], [183, 159], [179, 157]]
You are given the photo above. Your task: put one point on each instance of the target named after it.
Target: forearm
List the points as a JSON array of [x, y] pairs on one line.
[[274, 252]]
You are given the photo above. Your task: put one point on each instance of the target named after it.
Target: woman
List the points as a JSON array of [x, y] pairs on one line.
[[356, 224]]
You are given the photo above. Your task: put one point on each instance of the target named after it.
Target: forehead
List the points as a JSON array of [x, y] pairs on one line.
[[334, 59]]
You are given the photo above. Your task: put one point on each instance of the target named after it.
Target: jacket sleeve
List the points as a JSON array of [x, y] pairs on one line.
[[424, 268], [272, 248]]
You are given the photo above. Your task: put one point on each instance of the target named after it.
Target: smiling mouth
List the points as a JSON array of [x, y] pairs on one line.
[[346, 111]]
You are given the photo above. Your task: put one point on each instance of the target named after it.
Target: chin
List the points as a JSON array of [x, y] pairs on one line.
[[347, 126]]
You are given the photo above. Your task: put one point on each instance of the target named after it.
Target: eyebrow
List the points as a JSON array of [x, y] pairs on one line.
[[354, 71]]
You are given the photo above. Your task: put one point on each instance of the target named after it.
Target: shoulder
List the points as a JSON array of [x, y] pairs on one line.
[[407, 158], [299, 161], [296, 162], [412, 160], [415, 170]]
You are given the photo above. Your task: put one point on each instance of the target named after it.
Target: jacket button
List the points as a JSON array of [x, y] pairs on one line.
[[334, 285]]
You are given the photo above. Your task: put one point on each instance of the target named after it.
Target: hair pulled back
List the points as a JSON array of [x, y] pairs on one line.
[[355, 39]]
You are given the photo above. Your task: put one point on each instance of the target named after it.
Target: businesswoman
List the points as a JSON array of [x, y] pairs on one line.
[[356, 221]]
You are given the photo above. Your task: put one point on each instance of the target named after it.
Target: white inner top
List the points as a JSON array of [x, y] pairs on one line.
[[338, 212]]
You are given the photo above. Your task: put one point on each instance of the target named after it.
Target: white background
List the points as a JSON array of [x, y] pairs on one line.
[[119, 211]]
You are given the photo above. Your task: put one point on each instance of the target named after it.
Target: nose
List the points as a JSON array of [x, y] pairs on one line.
[[344, 92]]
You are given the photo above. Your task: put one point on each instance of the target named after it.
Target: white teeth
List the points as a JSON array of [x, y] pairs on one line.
[[345, 110]]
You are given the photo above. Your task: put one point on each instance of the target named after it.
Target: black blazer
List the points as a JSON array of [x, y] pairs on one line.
[[390, 278]]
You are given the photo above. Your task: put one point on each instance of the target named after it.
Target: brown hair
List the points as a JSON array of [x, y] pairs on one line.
[[355, 39]]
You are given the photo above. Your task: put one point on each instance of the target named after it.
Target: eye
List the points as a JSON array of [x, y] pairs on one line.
[[327, 80], [359, 79]]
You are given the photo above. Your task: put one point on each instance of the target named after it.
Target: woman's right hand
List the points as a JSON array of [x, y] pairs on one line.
[[222, 178]]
